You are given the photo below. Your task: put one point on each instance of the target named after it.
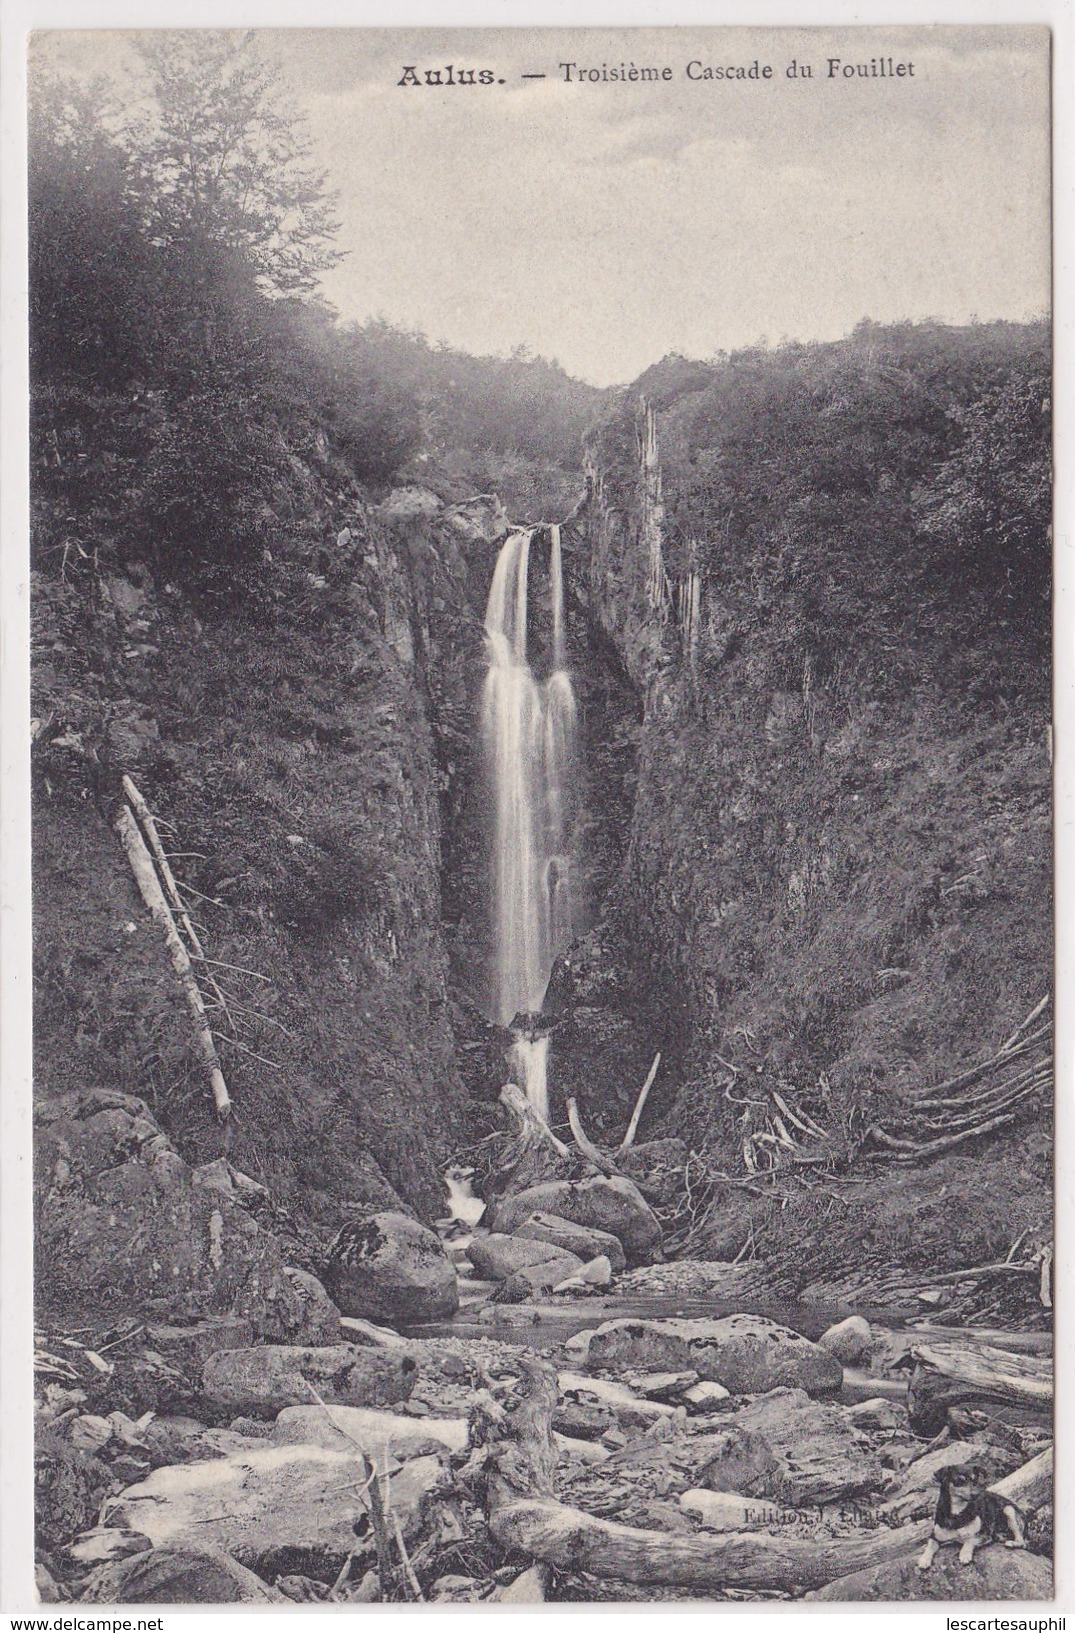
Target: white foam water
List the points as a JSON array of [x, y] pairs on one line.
[[528, 728]]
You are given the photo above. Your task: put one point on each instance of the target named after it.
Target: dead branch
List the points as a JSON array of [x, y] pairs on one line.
[[910, 1150], [632, 1127], [603, 1164], [804, 1123], [149, 885], [405, 1560], [1003, 1057], [145, 816], [1034, 1013], [968, 1101], [981, 1272]]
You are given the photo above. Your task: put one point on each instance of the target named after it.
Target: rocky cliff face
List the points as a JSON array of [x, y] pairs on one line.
[[829, 888], [306, 773]]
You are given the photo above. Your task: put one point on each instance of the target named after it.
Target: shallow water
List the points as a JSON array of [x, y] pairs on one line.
[[539, 1325], [552, 1323]]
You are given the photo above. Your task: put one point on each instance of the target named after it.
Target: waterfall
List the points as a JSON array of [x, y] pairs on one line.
[[528, 727]]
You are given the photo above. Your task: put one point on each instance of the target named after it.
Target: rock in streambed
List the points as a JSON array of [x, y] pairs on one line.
[[747, 1354], [391, 1268], [271, 1376]]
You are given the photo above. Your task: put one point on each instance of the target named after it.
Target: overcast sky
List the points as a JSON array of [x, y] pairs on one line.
[[608, 224]]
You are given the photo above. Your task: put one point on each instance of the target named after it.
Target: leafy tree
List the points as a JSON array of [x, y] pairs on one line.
[[229, 160], [990, 502], [89, 260]]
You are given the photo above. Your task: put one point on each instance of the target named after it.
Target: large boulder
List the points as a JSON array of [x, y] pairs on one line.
[[747, 1354], [275, 1508], [391, 1268], [339, 1428], [185, 1575], [119, 1223], [190, 1343], [496, 1257], [851, 1341], [995, 1573], [297, 1310], [586, 1242], [614, 1205], [265, 1379], [793, 1450]]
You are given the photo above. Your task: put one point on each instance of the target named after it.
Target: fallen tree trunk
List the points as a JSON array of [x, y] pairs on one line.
[[1006, 1376], [150, 887], [520, 1462], [145, 816], [1032, 1485], [948, 1375]]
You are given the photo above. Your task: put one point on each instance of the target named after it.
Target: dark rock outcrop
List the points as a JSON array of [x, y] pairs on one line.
[[119, 1223], [391, 1268]]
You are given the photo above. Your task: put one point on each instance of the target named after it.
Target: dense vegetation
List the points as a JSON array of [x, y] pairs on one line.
[[194, 403], [839, 872], [885, 497]]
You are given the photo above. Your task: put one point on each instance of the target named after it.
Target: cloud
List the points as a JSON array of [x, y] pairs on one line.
[[607, 224]]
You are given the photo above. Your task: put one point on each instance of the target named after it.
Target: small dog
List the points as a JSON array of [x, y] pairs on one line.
[[969, 1513]]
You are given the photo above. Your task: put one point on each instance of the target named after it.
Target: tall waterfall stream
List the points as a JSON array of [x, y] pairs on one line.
[[528, 729]]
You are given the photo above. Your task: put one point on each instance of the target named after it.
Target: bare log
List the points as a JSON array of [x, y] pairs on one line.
[[600, 1161], [632, 1127], [524, 1514], [953, 1376], [149, 885], [1030, 1486], [1021, 1379], [145, 816]]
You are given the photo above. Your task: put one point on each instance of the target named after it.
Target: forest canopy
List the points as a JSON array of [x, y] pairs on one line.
[[883, 499], [196, 403], [190, 390]]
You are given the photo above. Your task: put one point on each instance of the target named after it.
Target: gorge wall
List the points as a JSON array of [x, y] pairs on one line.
[[834, 884], [303, 768], [813, 822], [315, 767]]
